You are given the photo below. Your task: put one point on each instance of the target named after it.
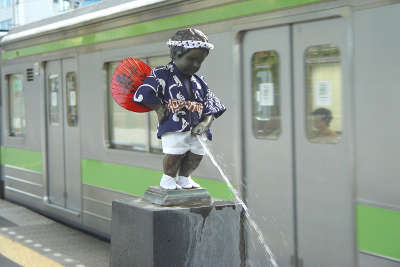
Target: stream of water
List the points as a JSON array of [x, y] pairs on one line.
[[268, 252]]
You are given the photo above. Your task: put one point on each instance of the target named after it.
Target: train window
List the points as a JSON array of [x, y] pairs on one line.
[[16, 105], [130, 130], [324, 94], [54, 99], [72, 99], [127, 129], [266, 95]]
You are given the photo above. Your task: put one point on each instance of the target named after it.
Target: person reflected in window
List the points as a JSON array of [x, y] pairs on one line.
[[322, 118], [272, 128]]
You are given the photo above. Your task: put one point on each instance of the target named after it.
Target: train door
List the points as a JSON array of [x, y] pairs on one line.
[[268, 139], [324, 171], [63, 147], [297, 142]]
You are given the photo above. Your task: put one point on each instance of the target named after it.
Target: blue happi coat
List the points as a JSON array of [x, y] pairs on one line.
[[167, 82]]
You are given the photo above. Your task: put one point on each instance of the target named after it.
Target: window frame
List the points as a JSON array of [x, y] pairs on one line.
[[49, 96], [72, 108], [277, 88], [307, 126], [10, 133]]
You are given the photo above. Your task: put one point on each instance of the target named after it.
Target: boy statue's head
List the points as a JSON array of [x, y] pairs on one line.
[[188, 49]]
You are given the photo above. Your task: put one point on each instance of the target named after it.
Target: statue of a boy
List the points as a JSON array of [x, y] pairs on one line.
[[184, 104]]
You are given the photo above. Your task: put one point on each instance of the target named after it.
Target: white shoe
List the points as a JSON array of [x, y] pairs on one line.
[[184, 182], [168, 182], [194, 184], [187, 182]]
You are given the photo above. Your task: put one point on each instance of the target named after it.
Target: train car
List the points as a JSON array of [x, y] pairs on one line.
[[310, 137]]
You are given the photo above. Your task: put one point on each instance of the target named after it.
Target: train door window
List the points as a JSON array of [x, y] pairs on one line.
[[127, 129], [266, 95], [72, 99], [155, 143], [16, 102], [323, 94], [54, 99]]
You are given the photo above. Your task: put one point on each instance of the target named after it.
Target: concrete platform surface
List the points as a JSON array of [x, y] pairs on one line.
[[30, 239]]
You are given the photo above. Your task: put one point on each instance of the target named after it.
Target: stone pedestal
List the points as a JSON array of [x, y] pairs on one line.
[[148, 235], [184, 197]]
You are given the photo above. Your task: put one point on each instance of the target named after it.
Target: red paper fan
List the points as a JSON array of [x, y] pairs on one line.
[[127, 77]]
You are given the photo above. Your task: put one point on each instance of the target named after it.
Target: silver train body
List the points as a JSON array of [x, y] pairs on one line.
[[67, 151]]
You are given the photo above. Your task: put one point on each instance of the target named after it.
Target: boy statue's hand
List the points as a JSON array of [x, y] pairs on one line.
[[203, 126]]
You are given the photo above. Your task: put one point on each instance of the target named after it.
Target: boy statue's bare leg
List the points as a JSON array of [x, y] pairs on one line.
[[172, 163], [171, 166], [189, 163]]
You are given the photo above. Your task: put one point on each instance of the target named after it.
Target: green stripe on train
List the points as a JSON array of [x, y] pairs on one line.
[[215, 14], [21, 158], [378, 231], [135, 181]]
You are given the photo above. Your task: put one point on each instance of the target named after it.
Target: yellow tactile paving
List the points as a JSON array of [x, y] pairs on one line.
[[24, 255]]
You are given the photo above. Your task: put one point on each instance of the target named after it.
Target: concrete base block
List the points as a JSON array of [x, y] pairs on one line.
[[148, 235], [184, 197]]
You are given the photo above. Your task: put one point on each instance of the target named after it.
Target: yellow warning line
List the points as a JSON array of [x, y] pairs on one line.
[[24, 255]]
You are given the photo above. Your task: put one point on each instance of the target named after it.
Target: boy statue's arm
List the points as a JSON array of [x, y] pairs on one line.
[[161, 111], [204, 125]]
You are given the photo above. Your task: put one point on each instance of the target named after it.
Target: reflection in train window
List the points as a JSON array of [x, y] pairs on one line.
[[72, 99], [16, 105], [324, 93], [266, 95], [54, 99], [130, 130]]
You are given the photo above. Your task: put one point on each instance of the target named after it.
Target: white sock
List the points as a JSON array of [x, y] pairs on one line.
[[184, 182], [168, 182], [194, 184], [187, 182]]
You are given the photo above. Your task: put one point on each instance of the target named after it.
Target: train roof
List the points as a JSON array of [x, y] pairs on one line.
[[100, 11], [105, 21]]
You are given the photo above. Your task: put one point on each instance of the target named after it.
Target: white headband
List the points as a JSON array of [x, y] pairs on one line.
[[190, 44]]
